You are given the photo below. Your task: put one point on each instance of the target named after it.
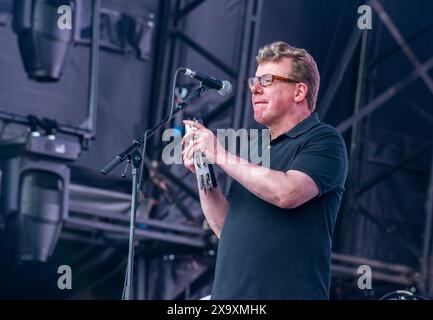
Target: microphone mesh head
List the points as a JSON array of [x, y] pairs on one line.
[[226, 88]]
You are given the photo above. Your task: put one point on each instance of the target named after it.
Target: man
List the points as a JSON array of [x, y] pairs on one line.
[[276, 228]]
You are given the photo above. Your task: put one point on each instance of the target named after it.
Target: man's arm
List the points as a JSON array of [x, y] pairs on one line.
[[284, 189], [213, 203], [215, 207]]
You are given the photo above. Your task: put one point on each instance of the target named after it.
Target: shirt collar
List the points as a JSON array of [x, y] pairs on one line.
[[303, 126]]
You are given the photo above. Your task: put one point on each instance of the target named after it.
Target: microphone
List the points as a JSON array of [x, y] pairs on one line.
[[224, 87]]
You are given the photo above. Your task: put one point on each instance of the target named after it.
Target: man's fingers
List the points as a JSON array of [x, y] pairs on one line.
[[194, 124], [188, 137], [189, 151], [191, 141], [192, 149], [191, 167], [187, 155], [188, 162]]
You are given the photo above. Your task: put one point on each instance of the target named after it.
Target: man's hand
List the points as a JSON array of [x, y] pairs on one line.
[[201, 140], [188, 162], [213, 202]]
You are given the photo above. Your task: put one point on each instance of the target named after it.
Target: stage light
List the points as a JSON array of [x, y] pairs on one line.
[[35, 184], [43, 46], [40, 217]]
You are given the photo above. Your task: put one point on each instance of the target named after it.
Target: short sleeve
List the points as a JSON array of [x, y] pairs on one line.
[[324, 159]]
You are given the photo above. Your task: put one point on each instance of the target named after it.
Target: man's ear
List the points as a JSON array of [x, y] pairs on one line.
[[300, 92]]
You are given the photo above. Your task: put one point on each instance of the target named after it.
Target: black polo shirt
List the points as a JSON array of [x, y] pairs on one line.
[[266, 252]]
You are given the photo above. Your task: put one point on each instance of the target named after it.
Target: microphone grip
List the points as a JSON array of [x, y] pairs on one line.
[[111, 165]]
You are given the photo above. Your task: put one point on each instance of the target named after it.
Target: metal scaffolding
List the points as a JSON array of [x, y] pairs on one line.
[[422, 277]]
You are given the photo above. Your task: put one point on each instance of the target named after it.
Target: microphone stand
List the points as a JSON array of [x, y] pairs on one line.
[[132, 155]]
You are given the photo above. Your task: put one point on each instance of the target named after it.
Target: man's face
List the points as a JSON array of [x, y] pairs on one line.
[[272, 102]]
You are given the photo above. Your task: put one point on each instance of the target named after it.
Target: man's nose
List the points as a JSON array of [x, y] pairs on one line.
[[256, 88]]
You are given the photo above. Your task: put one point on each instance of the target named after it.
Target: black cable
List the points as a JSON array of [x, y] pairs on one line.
[[143, 151]]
